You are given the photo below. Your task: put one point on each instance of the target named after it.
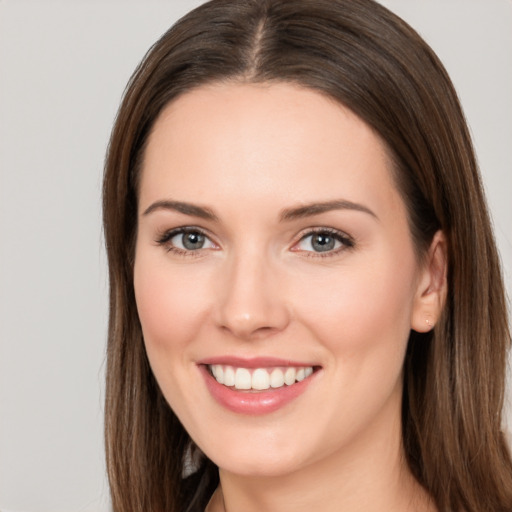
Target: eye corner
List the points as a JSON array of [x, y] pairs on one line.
[[200, 241], [330, 242]]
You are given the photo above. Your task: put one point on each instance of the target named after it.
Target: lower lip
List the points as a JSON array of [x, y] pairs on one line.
[[253, 402]]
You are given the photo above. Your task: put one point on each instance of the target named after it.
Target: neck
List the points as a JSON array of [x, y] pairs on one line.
[[371, 475]]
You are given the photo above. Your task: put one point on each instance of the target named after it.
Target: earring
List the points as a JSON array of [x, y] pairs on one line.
[[428, 322]]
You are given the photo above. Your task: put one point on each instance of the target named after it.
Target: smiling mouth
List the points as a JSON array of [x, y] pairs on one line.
[[259, 379]]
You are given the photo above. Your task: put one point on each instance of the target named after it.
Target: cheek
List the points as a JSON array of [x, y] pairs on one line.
[[170, 305], [171, 311], [361, 307]]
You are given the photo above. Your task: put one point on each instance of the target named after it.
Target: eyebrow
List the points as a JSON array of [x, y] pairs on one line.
[[288, 214], [181, 207], [318, 208]]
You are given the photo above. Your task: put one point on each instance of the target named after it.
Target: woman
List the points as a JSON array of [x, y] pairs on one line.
[[300, 255]]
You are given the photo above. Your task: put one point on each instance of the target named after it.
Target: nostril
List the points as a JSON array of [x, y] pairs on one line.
[[249, 332]]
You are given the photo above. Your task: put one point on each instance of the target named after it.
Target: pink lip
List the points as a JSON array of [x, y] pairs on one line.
[[255, 402], [253, 362]]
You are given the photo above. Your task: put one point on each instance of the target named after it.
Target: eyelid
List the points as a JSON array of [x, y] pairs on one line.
[[165, 236], [347, 241]]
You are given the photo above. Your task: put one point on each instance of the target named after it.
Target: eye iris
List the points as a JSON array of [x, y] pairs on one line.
[[193, 240], [322, 242]]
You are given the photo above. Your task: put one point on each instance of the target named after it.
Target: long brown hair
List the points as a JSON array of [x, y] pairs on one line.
[[368, 59]]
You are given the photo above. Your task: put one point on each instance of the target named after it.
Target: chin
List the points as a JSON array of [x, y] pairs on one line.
[[257, 466], [254, 456]]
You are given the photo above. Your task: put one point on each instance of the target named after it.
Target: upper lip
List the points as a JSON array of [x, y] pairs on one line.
[[253, 362]]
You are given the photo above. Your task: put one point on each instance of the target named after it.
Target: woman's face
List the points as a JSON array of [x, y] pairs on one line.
[[273, 250]]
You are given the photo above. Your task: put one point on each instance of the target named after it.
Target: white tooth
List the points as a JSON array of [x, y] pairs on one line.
[[242, 378], [219, 373], [289, 376], [229, 376], [301, 374], [213, 369], [277, 378], [260, 379], [309, 371]]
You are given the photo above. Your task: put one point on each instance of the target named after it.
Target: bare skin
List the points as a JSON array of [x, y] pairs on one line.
[[270, 226]]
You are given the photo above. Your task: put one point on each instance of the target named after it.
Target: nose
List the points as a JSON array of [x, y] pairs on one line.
[[251, 302]]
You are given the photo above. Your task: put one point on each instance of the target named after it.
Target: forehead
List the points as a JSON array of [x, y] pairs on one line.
[[226, 140]]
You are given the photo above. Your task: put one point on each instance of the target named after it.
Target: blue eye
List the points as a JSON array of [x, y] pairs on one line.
[[186, 240], [190, 241], [324, 241]]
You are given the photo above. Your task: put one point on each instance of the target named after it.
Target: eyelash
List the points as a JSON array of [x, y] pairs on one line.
[[165, 238], [346, 241]]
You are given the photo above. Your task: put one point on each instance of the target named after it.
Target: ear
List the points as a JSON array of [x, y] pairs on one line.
[[432, 286]]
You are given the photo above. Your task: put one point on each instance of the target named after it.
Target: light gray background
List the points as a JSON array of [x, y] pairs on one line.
[[63, 67]]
